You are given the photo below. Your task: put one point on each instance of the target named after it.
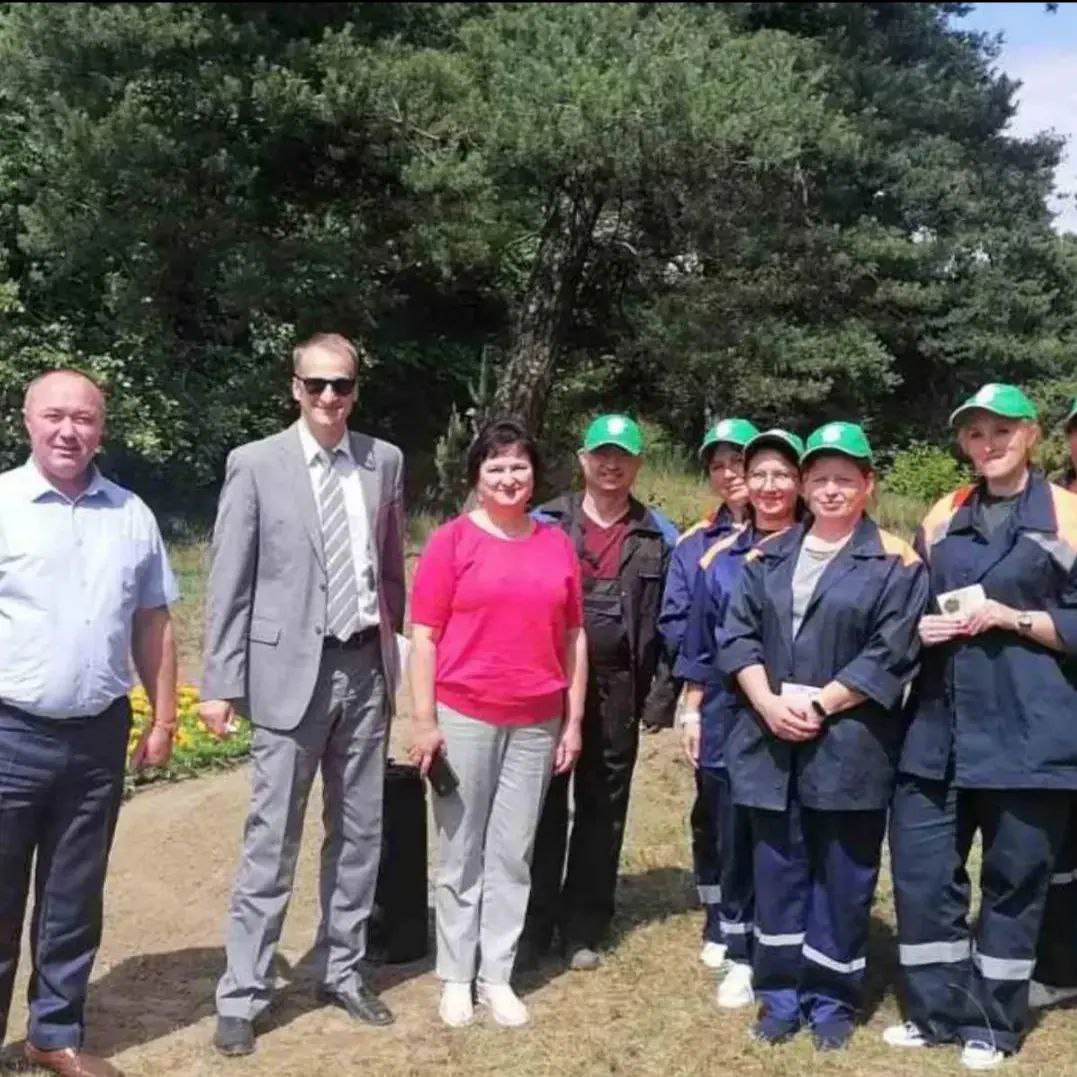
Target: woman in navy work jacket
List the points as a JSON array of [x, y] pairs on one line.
[[1055, 977], [722, 456], [772, 475], [821, 636], [992, 738]]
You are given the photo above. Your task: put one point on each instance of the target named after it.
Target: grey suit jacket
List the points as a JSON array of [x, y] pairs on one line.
[[265, 603]]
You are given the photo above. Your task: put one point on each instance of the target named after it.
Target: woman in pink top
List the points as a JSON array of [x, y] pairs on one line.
[[498, 673]]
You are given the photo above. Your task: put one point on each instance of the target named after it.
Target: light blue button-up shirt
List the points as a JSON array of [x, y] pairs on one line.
[[72, 575]]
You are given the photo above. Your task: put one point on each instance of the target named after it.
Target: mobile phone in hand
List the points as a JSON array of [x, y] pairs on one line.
[[441, 776]]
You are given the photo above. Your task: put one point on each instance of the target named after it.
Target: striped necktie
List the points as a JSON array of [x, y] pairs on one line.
[[342, 588]]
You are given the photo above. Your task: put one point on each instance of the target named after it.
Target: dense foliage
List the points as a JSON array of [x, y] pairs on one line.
[[792, 210]]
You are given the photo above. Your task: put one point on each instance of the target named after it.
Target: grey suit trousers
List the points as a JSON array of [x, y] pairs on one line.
[[344, 732]]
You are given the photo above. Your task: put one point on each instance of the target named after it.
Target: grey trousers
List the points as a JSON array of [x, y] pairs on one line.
[[486, 833], [344, 731]]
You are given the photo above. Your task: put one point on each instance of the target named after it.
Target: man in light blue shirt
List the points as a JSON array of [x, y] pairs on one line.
[[85, 588]]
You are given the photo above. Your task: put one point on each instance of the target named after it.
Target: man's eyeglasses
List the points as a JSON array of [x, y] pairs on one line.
[[317, 386]]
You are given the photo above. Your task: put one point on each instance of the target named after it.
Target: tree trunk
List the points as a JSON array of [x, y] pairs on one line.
[[543, 317]]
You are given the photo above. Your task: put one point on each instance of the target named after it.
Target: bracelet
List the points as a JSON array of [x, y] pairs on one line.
[[690, 718]]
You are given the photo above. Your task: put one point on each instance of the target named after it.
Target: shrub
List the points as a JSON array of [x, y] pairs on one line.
[[194, 748], [924, 472]]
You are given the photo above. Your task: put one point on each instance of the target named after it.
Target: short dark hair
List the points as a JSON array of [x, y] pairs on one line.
[[500, 434]]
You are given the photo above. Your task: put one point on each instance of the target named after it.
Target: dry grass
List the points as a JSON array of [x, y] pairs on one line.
[[648, 1010]]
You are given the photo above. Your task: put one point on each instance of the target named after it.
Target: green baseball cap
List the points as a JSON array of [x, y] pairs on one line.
[[845, 438], [1005, 400], [1071, 416], [617, 430], [775, 437], [736, 432]]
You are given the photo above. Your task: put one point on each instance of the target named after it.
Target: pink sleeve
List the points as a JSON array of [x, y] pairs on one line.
[[574, 605], [435, 579]]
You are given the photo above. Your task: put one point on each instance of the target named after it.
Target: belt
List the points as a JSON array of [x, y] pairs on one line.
[[353, 642]]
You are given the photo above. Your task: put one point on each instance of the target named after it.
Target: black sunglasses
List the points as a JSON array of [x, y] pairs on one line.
[[316, 386]]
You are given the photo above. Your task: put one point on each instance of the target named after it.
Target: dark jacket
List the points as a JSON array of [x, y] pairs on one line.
[[999, 708], [684, 568], [716, 581], [860, 628], [645, 558]]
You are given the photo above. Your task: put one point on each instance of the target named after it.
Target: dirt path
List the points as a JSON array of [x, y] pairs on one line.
[[151, 1005], [648, 1010]]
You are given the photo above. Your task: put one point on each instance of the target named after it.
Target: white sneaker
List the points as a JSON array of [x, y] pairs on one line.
[[904, 1035], [977, 1055], [712, 955], [456, 1008], [735, 991], [505, 1008], [1040, 996]]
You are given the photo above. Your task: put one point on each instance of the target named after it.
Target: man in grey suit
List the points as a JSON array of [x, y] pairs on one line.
[[305, 595]]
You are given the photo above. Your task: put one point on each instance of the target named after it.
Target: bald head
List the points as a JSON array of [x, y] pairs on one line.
[[64, 412], [44, 386]]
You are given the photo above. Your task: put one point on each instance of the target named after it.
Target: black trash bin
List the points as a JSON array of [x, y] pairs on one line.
[[399, 924]]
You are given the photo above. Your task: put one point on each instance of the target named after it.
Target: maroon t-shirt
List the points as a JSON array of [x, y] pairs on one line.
[[603, 548]]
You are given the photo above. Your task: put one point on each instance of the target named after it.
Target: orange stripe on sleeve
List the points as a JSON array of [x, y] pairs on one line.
[[942, 512], [899, 548], [1065, 505], [718, 547]]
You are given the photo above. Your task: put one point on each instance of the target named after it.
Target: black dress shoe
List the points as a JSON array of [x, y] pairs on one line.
[[234, 1036], [358, 1002]]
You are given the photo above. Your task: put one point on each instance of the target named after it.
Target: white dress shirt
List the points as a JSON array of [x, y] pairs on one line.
[[73, 573], [354, 506]]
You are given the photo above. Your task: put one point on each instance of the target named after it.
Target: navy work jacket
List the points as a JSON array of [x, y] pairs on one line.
[[716, 580], [999, 708], [684, 571], [860, 628], [648, 544]]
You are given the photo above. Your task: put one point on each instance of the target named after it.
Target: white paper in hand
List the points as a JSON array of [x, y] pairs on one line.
[[791, 689], [963, 602]]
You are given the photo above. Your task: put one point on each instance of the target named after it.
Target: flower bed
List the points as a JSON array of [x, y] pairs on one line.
[[194, 750]]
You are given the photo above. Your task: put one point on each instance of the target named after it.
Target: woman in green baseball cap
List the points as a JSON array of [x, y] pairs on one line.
[[722, 848], [991, 743], [821, 638], [722, 456], [1068, 478]]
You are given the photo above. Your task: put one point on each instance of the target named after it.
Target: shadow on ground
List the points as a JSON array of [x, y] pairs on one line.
[[148, 997], [643, 898]]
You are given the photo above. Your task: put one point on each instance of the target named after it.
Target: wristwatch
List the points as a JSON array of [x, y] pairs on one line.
[[819, 709], [1024, 623]]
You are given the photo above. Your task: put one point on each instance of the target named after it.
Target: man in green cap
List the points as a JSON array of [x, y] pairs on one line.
[[624, 549]]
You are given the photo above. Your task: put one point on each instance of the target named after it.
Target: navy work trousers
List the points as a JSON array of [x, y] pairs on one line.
[[815, 876], [1056, 956], [722, 859], [61, 783], [958, 987], [577, 898]]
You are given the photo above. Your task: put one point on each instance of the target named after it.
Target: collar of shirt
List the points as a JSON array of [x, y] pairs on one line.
[[38, 487], [1034, 510], [311, 448]]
